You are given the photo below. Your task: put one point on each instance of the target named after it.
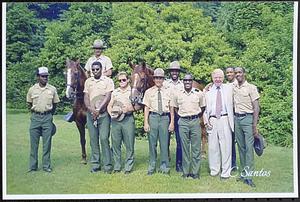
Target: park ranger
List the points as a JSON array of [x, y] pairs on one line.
[[246, 110], [42, 99], [97, 94], [106, 63], [175, 84], [157, 122], [190, 105], [122, 124]]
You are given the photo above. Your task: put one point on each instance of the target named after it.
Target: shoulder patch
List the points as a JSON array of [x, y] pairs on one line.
[[196, 90]]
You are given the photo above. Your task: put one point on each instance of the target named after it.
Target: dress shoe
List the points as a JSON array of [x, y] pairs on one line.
[[94, 170], [249, 182], [194, 176], [185, 176], [48, 170], [31, 170], [224, 178]]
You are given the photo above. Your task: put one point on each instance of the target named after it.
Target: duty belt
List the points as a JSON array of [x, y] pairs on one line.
[[163, 114], [190, 117], [242, 115], [42, 113]]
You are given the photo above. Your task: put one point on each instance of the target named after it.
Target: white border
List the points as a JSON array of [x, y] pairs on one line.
[[155, 196]]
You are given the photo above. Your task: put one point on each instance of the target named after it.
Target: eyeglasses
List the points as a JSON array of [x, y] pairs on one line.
[[44, 76], [122, 80], [187, 80], [95, 69]]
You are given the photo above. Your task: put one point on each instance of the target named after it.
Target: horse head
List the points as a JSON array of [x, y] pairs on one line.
[[75, 79], [141, 80]]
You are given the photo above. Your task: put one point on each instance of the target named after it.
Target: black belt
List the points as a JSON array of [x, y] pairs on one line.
[[163, 114], [43, 113], [242, 115], [190, 117], [214, 116]]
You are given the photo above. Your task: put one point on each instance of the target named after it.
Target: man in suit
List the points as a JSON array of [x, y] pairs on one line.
[[220, 124]]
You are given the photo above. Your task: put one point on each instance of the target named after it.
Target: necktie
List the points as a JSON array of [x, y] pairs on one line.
[[160, 111], [218, 103]]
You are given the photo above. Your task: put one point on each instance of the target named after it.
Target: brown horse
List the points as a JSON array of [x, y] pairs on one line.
[[142, 79], [76, 77]]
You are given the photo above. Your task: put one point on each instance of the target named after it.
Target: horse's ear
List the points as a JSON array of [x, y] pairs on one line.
[[144, 64], [130, 63]]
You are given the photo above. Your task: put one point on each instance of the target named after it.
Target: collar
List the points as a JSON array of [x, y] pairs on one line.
[[240, 86], [100, 79], [125, 90], [176, 82]]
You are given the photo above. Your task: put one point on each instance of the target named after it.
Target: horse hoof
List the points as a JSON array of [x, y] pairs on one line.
[[83, 161]]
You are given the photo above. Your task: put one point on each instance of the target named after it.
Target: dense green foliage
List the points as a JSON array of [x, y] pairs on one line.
[[201, 35]]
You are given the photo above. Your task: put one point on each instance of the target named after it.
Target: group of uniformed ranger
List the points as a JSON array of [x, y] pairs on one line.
[[170, 105]]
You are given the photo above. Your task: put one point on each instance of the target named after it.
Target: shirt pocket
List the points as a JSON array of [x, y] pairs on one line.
[[49, 98], [35, 98]]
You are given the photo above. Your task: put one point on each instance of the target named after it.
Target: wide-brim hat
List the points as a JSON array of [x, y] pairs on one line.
[[53, 131], [174, 66], [98, 44], [69, 117], [117, 113], [159, 72], [259, 145], [96, 102]]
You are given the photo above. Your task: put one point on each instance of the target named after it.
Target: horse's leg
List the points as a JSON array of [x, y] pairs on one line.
[[81, 127]]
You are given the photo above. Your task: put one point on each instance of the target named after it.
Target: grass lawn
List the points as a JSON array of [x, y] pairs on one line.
[[71, 177]]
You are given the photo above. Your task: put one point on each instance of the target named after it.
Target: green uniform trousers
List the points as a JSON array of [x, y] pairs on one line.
[[123, 131], [41, 125], [190, 135], [100, 132], [158, 131], [244, 137]]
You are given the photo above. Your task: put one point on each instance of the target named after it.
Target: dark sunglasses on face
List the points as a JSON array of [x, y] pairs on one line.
[[122, 80], [95, 69], [187, 80], [44, 76]]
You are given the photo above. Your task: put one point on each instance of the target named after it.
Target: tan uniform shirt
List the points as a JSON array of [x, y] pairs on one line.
[[188, 104], [174, 86], [119, 95], [42, 99], [151, 99], [105, 61], [98, 87], [243, 97]]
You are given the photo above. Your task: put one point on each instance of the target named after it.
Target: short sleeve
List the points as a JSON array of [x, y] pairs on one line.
[[254, 93], [146, 100], [55, 98], [28, 96]]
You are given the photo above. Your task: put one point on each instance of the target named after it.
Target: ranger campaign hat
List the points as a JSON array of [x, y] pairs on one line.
[[259, 145], [159, 72], [174, 66], [43, 71], [98, 44], [117, 113]]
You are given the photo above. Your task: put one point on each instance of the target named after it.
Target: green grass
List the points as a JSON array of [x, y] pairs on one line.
[[71, 177]]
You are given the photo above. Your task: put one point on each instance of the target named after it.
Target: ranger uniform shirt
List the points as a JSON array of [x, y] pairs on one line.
[[243, 96], [174, 86], [151, 99], [188, 104], [121, 96], [98, 87], [42, 98], [105, 61]]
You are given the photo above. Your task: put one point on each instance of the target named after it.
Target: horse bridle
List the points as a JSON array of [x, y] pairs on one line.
[[140, 90], [75, 94]]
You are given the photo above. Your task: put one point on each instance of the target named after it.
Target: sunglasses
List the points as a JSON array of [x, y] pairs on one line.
[[187, 80], [122, 80], [95, 69], [44, 76]]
